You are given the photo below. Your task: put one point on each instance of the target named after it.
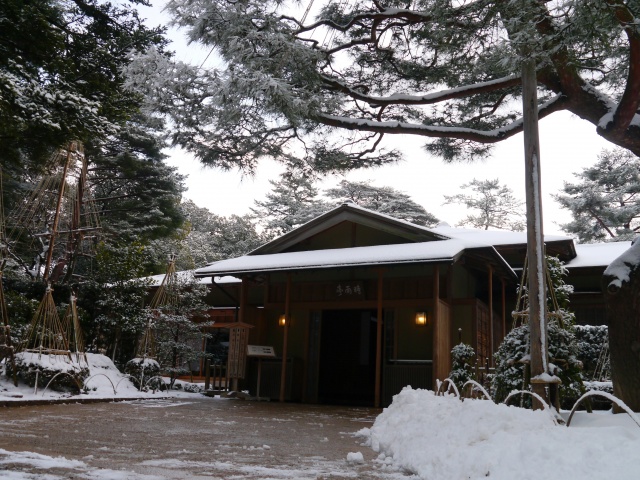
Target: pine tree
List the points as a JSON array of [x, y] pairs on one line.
[[605, 203], [495, 205], [206, 237], [292, 202], [325, 92], [385, 200]]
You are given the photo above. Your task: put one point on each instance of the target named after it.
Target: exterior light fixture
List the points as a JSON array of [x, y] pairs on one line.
[[282, 320], [421, 318]]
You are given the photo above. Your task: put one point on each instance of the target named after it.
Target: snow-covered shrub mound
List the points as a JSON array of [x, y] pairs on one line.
[[462, 360], [192, 388], [69, 375], [445, 438], [592, 340], [142, 370], [600, 403]]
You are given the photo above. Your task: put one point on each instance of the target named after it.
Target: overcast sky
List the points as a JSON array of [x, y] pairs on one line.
[[568, 145]]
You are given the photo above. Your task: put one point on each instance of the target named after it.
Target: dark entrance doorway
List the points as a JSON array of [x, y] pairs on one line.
[[347, 357]]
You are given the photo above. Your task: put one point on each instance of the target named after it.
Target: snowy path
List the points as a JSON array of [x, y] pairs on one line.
[[184, 438]]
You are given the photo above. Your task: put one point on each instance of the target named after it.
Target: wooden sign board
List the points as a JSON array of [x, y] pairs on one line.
[[260, 351], [236, 358]]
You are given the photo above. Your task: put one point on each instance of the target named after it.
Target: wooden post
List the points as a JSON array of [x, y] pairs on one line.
[[504, 309], [535, 236], [438, 360], [491, 341], [56, 217], [207, 374], [283, 374], [378, 384]]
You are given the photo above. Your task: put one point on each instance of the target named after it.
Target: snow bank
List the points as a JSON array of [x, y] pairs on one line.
[[442, 437], [103, 378]]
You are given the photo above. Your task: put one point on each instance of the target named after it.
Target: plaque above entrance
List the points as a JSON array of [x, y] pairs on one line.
[[350, 290]]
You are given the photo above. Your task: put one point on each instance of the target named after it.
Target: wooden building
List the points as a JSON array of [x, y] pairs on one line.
[[357, 304]]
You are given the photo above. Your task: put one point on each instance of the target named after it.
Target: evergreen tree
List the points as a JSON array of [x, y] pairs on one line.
[[137, 196], [206, 237], [462, 362], [180, 327], [115, 297], [61, 73], [511, 358], [495, 205], [605, 202], [385, 200], [292, 202], [325, 91]]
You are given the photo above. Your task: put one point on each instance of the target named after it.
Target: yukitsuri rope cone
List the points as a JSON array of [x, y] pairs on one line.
[[71, 325], [145, 365], [44, 351]]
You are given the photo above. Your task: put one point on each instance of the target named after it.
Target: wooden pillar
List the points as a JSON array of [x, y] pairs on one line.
[[242, 315], [287, 316], [491, 341], [504, 309], [438, 354], [243, 301], [535, 236], [378, 384]]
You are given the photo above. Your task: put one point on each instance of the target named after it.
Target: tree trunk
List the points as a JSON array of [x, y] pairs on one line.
[[623, 317]]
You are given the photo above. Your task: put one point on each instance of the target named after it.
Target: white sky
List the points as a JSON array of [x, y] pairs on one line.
[[568, 145]]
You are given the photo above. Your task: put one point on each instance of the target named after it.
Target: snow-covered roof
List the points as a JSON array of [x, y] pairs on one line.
[[156, 280], [446, 244], [443, 250], [354, 213], [597, 254], [491, 237]]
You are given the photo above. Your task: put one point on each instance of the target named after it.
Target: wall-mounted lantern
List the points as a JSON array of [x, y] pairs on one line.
[[282, 320], [421, 318]]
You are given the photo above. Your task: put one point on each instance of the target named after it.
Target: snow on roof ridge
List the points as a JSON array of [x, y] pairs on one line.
[[369, 255]]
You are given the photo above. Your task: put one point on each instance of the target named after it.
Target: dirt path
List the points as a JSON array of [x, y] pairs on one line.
[[188, 438]]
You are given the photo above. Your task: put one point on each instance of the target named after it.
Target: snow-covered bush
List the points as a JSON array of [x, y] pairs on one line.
[[599, 403], [510, 370], [592, 344], [462, 360], [512, 357], [38, 368], [512, 360], [192, 388], [142, 370]]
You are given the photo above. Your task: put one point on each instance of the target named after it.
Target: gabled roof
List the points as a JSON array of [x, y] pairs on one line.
[[416, 244], [350, 212]]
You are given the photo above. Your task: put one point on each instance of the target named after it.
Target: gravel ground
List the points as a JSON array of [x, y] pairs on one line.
[[191, 438]]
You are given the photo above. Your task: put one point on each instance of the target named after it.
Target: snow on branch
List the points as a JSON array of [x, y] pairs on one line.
[[396, 127], [436, 97]]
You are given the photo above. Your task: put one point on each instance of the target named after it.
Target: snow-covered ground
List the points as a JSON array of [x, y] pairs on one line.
[[420, 436], [439, 437]]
